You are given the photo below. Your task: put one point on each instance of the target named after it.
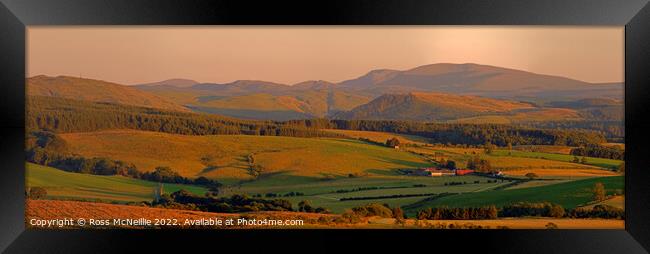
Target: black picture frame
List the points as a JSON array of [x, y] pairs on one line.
[[15, 15]]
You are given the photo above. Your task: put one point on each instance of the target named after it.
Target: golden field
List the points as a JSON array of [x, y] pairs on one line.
[[575, 172], [380, 137], [225, 156]]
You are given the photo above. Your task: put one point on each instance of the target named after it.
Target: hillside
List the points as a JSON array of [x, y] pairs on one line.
[[96, 91], [66, 185], [264, 102], [226, 156], [256, 99], [482, 80], [313, 85], [171, 82], [440, 107]]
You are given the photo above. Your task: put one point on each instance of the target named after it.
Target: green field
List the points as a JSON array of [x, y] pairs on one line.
[[319, 169], [66, 185], [324, 193], [569, 195], [599, 162]]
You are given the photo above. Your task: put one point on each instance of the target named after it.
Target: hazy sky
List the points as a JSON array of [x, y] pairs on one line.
[[132, 55]]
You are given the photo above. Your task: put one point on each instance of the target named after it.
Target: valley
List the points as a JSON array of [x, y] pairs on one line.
[[467, 137]]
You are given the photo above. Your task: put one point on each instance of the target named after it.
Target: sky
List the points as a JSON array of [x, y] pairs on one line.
[[291, 54]]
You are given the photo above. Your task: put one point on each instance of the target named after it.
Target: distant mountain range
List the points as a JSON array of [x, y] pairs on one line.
[[436, 92], [480, 80]]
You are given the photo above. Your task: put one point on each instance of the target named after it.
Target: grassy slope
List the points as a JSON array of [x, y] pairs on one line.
[[66, 185], [539, 114], [97, 91], [381, 137], [302, 103], [500, 159], [227, 153], [599, 162], [569, 195]]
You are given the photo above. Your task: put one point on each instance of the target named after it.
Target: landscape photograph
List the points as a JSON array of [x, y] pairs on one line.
[[325, 127]]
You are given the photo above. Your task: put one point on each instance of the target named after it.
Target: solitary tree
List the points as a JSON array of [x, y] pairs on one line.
[[556, 211], [451, 165], [583, 160], [576, 159], [598, 191], [509, 148], [305, 206], [255, 170], [393, 142], [489, 147]]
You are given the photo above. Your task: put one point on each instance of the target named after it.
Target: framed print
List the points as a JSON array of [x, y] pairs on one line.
[[518, 126]]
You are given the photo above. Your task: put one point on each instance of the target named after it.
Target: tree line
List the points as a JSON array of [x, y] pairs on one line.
[[521, 209], [446, 213], [66, 115], [183, 199], [612, 130], [599, 151]]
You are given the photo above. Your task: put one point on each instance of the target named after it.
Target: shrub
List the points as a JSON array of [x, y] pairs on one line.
[[523, 209], [348, 217], [373, 209], [598, 211]]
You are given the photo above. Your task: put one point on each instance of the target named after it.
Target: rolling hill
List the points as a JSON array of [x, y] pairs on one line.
[[482, 80], [67, 185], [171, 82], [262, 100], [225, 156], [441, 107], [254, 99], [96, 91]]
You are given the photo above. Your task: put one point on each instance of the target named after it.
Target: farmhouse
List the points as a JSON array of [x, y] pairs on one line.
[[437, 172]]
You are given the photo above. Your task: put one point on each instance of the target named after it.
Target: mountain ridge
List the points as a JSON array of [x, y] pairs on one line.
[[96, 91]]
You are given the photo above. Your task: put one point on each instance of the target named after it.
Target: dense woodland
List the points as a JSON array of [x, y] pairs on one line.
[[65, 115], [614, 131], [599, 151]]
